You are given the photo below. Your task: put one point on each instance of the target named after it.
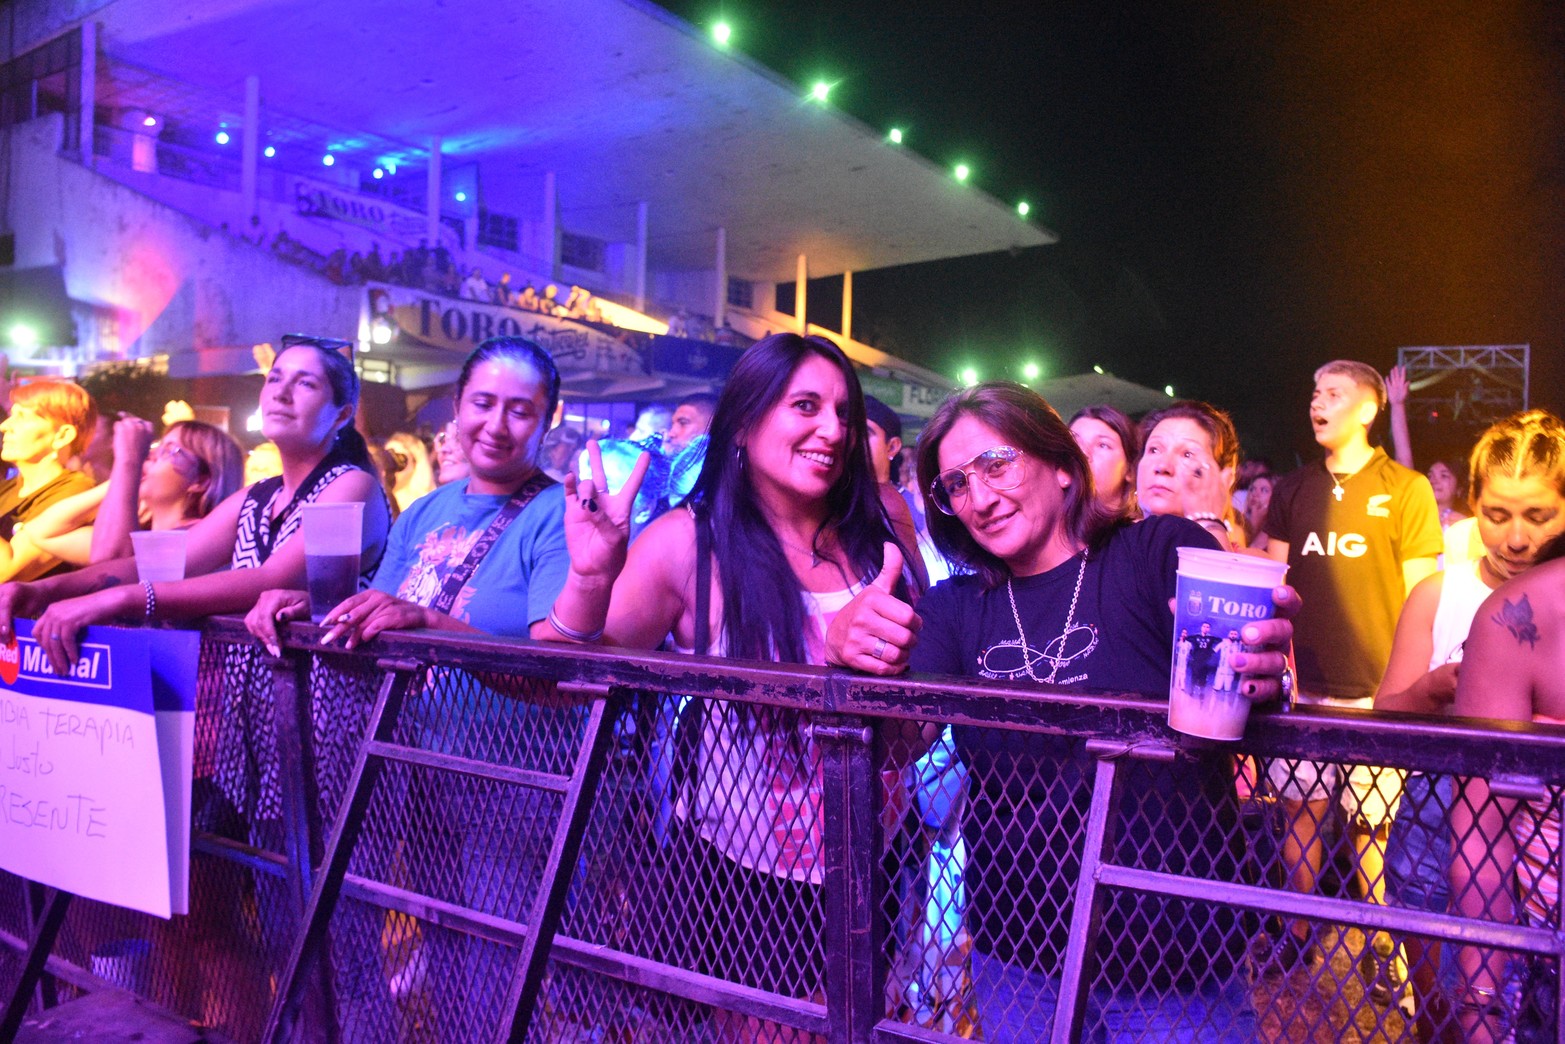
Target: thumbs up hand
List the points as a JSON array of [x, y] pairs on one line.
[[875, 632]]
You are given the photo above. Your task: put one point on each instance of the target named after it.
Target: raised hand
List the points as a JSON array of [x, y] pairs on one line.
[[1396, 385], [132, 440], [597, 523], [875, 632]]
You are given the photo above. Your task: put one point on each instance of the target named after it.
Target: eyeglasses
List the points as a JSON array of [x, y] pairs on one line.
[[176, 454], [1000, 469]]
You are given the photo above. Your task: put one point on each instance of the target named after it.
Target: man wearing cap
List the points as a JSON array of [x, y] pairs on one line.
[[885, 442]]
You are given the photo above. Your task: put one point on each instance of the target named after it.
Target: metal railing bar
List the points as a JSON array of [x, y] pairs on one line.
[[1339, 911], [593, 957], [530, 778], [248, 856]]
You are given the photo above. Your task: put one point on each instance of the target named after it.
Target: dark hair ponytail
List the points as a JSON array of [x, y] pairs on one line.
[[351, 447]]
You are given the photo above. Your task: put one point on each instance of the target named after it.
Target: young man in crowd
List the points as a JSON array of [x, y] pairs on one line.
[[885, 442], [692, 417], [50, 423], [1358, 531]]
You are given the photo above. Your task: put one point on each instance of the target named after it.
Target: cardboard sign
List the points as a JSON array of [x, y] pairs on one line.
[[91, 780]]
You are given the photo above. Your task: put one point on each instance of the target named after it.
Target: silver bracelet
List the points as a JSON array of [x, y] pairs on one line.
[[584, 637], [152, 601]]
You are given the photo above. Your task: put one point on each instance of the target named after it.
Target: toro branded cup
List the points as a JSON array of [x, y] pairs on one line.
[[1218, 593], [333, 537], [160, 555]]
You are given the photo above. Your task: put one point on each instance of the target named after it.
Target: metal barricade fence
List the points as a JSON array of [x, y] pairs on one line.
[[587, 845]]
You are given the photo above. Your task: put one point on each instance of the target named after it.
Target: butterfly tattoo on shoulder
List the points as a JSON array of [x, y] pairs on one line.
[[1516, 617]]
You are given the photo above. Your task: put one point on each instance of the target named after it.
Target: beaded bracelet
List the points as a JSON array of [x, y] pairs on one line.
[[584, 637], [152, 600]]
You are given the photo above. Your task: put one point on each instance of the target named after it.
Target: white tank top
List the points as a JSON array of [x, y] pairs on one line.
[[1462, 591]]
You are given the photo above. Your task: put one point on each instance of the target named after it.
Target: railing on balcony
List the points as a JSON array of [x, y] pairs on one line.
[[463, 839]]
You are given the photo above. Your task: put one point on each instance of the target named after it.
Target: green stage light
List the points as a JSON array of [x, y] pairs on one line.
[[895, 135], [1024, 208], [969, 376], [1031, 371], [722, 32], [820, 91]]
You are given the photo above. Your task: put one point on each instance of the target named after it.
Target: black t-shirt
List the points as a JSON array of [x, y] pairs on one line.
[[1345, 560], [17, 510], [1029, 792], [1203, 648]]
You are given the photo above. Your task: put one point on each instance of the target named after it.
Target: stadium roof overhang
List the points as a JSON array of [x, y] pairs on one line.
[[621, 101]]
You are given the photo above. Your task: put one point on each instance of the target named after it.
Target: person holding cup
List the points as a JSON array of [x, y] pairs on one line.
[[307, 404], [1064, 595], [463, 557]]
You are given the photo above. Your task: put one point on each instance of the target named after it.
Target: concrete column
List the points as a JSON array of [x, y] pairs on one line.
[[250, 157], [720, 297], [551, 229], [432, 195], [847, 306], [89, 90], [801, 279], [641, 256]]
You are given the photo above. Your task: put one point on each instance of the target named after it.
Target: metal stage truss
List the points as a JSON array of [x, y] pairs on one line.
[[1472, 384]]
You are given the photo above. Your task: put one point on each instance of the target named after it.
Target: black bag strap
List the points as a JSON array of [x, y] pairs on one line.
[[458, 577], [687, 733]]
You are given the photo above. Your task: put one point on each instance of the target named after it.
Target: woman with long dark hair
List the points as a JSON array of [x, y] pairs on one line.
[[1112, 444], [784, 531]]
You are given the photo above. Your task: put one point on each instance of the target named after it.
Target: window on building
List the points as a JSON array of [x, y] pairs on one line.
[[499, 230], [581, 252], [741, 293]]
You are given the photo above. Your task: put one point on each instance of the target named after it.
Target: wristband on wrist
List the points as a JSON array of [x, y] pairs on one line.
[[583, 637], [151, 601]]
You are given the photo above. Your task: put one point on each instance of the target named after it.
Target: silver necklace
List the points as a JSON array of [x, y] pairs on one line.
[[1070, 625]]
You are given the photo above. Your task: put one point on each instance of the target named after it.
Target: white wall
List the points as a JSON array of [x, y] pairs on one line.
[[185, 285]]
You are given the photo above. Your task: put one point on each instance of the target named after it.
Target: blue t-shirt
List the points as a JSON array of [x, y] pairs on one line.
[[528, 564]]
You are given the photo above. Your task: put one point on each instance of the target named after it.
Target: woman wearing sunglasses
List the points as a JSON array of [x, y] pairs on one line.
[[1062, 594]]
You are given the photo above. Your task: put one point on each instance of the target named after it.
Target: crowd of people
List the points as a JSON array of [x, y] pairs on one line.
[[808, 533]]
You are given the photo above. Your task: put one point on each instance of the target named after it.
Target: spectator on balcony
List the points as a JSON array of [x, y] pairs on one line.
[[1189, 457], [337, 265], [1112, 443], [576, 302], [168, 484], [548, 305], [501, 293], [527, 300], [1063, 594], [49, 423], [374, 266], [784, 532], [245, 545], [355, 272], [475, 287], [679, 324]]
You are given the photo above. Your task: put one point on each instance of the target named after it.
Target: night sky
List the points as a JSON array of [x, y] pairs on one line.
[[1242, 192]]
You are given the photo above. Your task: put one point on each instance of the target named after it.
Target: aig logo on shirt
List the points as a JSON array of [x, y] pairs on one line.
[[1348, 545]]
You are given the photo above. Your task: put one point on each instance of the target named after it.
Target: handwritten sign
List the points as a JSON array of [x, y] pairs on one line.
[[82, 769]]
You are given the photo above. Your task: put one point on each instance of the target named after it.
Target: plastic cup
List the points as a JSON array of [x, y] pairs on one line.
[[160, 555], [333, 538], [1218, 592]]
